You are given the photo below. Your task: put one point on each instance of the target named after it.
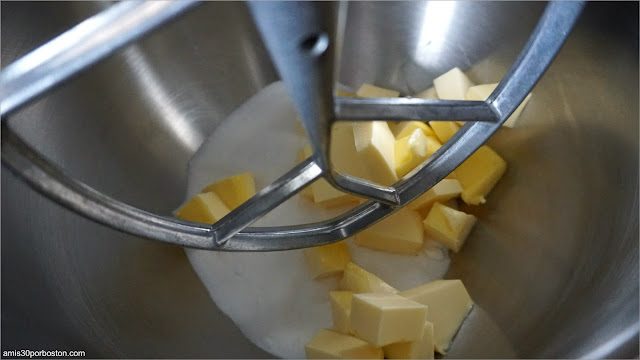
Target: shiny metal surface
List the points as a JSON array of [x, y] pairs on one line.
[[553, 263], [412, 109], [301, 38], [79, 48]]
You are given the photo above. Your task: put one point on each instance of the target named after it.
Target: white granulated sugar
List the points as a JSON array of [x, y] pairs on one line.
[[270, 296]]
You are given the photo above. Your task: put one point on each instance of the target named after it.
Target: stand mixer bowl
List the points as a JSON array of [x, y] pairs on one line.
[[552, 264]]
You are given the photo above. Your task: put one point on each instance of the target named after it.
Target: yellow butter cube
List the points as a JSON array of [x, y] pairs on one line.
[[444, 129], [448, 226], [328, 344], [327, 260], [234, 190], [429, 93], [482, 93], [421, 349], [443, 191], [375, 145], [341, 310], [401, 232], [323, 193], [343, 153], [372, 91], [358, 280], [411, 151], [204, 208], [452, 85], [344, 93], [433, 145], [327, 196], [448, 302], [479, 174], [406, 128], [345, 159], [382, 318]]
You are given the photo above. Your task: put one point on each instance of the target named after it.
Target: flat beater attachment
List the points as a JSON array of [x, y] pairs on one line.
[[303, 40]]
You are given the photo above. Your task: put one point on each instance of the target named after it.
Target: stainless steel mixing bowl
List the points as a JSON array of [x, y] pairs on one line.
[[552, 264]]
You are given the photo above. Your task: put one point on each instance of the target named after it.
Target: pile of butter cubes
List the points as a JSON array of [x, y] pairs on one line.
[[384, 152], [372, 319]]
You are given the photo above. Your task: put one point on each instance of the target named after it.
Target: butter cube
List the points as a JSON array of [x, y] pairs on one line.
[[234, 190], [444, 129], [411, 151], [344, 93], [443, 191], [372, 91], [382, 319], [341, 310], [326, 195], [429, 93], [448, 302], [421, 349], [327, 260], [323, 193], [358, 280], [401, 232], [328, 344], [448, 226], [433, 144], [205, 208], [344, 156], [375, 145], [452, 85], [482, 93], [479, 174], [406, 128]]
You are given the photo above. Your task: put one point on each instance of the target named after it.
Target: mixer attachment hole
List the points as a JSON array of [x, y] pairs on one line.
[[315, 44]]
